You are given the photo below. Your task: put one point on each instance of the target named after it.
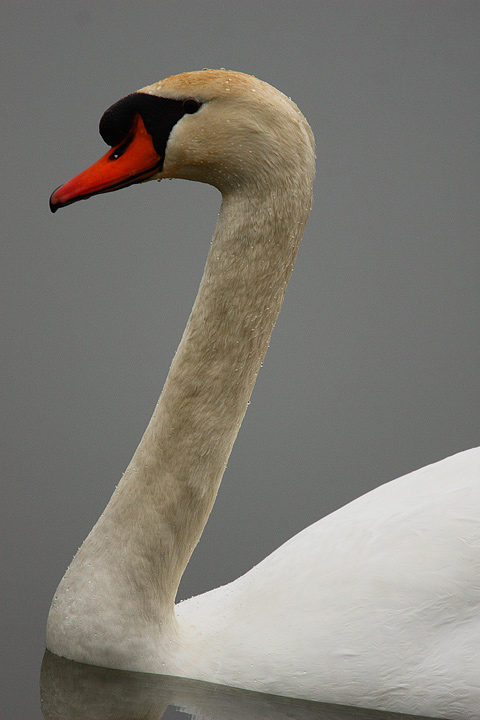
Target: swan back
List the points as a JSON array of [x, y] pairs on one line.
[[377, 604]]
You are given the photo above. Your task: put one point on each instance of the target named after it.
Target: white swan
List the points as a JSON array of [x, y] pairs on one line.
[[376, 605]]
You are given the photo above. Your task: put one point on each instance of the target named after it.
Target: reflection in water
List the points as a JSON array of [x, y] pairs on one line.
[[71, 691]]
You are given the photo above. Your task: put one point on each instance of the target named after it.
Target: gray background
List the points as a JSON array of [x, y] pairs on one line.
[[373, 367]]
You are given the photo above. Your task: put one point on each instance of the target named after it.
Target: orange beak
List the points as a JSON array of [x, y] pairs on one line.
[[132, 161]]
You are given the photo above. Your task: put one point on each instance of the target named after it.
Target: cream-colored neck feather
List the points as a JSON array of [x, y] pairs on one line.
[[127, 572], [170, 486]]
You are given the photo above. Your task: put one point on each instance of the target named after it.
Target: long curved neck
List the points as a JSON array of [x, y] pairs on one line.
[[180, 461], [155, 517]]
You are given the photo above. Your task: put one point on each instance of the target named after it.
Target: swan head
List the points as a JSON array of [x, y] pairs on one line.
[[215, 126]]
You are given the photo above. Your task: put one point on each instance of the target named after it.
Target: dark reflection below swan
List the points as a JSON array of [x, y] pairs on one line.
[[73, 691]]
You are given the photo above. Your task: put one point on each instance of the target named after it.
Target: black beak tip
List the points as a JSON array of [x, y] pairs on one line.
[[54, 205]]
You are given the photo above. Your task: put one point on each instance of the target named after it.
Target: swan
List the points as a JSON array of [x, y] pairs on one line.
[[376, 605]]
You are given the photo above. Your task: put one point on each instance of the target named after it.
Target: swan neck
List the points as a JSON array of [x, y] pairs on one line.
[[131, 564], [186, 446]]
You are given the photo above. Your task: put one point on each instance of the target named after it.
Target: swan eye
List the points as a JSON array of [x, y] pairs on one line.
[[118, 152], [190, 106]]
